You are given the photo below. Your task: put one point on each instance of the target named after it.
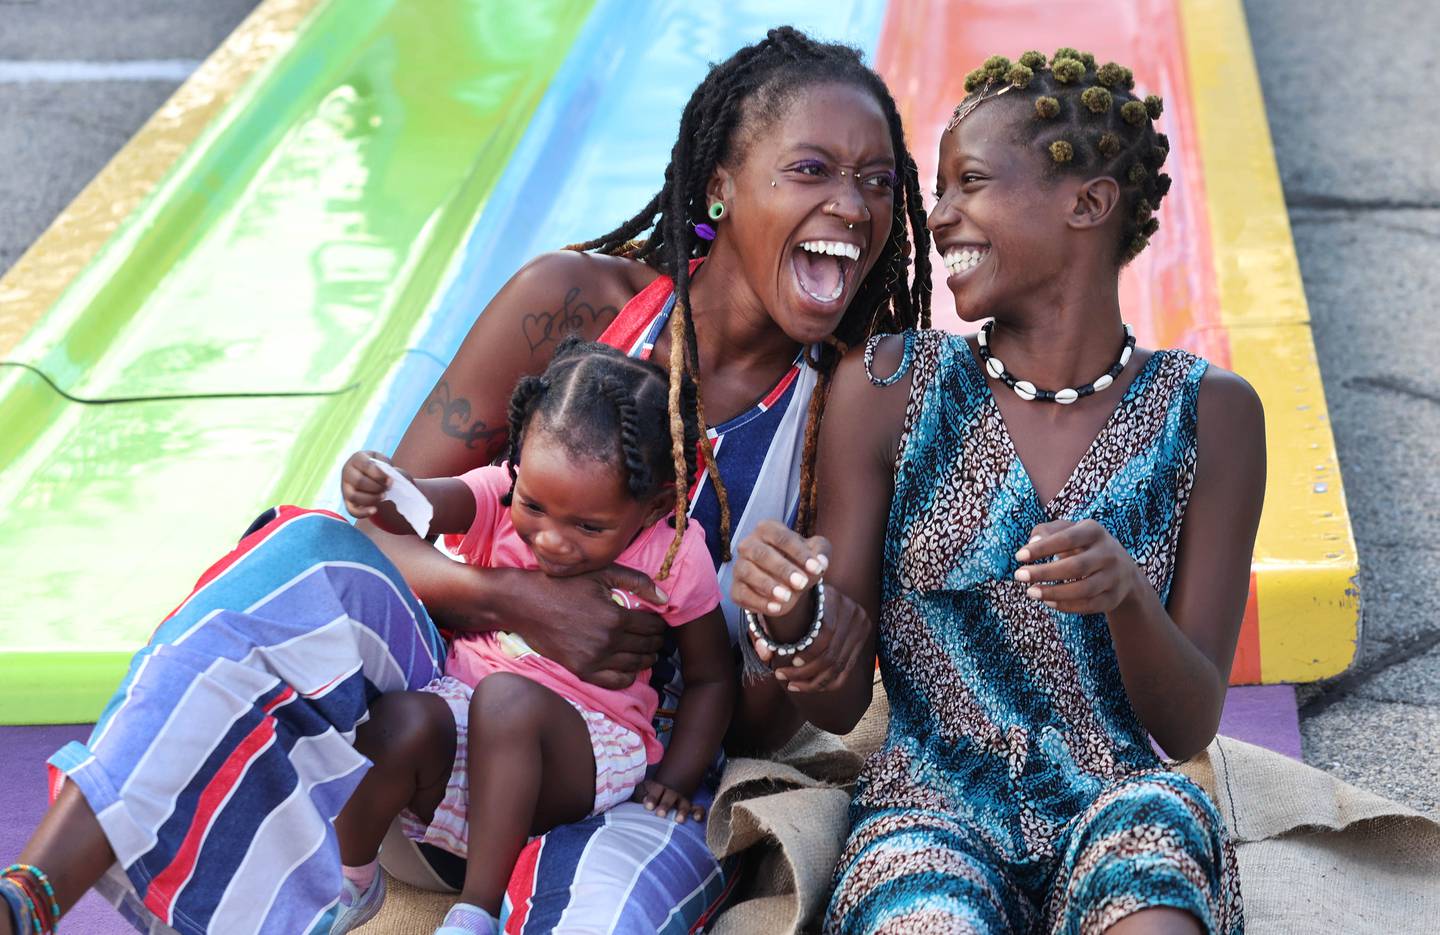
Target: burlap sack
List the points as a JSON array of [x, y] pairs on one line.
[[1317, 854], [791, 815]]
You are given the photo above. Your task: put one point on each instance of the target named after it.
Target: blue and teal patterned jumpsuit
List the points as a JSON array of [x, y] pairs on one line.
[[1017, 790]]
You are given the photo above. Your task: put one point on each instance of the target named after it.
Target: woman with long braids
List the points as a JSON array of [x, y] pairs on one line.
[[204, 799], [1051, 529]]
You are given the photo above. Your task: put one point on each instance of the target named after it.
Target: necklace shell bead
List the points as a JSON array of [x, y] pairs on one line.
[[1064, 397]]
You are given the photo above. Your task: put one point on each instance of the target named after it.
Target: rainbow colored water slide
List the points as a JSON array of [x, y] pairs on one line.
[[276, 268]]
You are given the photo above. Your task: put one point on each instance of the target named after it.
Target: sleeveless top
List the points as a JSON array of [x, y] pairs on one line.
[[1008, 715], [758, 455]]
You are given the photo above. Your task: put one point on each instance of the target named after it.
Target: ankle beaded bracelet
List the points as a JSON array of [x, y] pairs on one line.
[[31, 880]]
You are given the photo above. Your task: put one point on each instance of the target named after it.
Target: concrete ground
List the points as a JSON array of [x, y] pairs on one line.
[[1347, 89]]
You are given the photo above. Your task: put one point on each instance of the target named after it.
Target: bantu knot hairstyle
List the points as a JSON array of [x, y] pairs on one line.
[[1087, 119], [609, 407], [738, 98]]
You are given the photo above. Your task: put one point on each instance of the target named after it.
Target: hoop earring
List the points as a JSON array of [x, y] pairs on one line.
[[717, 210]]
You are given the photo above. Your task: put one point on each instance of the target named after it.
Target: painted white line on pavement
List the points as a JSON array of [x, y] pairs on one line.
[[18, 72]]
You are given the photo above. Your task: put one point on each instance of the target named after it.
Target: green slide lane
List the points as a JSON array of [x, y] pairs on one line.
[[258, 297]]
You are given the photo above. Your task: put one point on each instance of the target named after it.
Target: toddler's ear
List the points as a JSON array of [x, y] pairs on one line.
[[662, 504]]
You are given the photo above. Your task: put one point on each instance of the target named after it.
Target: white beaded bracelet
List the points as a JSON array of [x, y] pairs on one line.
[[784, 650]]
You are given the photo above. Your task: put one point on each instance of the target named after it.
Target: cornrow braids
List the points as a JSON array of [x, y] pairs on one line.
[[522, 403], [612, 408], [738, 97], [1087, 119]]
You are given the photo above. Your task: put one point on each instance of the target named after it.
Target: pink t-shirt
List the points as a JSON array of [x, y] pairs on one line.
[[493, 543]]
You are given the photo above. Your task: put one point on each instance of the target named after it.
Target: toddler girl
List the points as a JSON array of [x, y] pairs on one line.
[[590, 483]]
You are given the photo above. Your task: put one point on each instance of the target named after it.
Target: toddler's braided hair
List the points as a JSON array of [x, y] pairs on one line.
[[612, 408], [737, 98], [1088, 119]]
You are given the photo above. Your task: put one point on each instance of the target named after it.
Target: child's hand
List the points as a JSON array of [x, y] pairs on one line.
[[662, 800], [775, 566], [1091, 574], [363, 484]]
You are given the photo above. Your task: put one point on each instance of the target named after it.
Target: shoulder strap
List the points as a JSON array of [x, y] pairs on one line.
[[628, 329]]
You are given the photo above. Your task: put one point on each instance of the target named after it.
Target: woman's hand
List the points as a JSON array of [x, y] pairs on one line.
[[663, 800], [842, 643], [363, 484], [1091, 573], [775, 566], [575, 622]]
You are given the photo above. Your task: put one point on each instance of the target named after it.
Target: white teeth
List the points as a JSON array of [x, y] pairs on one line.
[[832, 248], [964, 259]]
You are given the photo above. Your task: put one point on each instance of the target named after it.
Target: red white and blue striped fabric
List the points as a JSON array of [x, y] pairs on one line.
[[221, 761]]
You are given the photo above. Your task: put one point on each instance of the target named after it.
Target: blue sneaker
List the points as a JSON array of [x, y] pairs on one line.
[[465, 919], [357, 908]]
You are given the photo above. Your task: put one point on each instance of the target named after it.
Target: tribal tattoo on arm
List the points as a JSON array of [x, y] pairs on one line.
[[455, 419]]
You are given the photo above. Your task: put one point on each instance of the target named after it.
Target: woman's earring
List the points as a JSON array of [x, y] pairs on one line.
[[717, 210]]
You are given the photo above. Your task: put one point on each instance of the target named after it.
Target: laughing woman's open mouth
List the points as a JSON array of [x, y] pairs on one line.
[[823, 267]]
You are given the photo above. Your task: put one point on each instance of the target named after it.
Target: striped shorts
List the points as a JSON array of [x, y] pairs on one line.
[[619, 767]]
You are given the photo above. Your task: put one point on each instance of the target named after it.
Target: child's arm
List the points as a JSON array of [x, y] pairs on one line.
[[701, 721], [364, 484]]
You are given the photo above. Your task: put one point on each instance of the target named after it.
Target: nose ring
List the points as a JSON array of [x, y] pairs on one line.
[[850, 226]]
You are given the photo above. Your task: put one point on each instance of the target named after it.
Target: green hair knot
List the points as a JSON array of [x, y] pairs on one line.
[[1154, 107], [1150, 227], [1068, 70], [1097, 99], [1020, 75], [996, 66], [1061, 151], [1133, 112], [1109, 144], [1162, 185], [1138, 174], [1064, 52], [975, 80], [1143, 211], [1033, 59], [1088, 61], [1110, 74], [1127, 79], [1046, 107]]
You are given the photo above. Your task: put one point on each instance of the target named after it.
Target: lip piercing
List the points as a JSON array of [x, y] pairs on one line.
[[850, 226], [772, 183]]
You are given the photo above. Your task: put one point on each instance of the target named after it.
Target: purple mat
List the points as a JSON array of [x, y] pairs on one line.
[[23, 751], [1265, 715]]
